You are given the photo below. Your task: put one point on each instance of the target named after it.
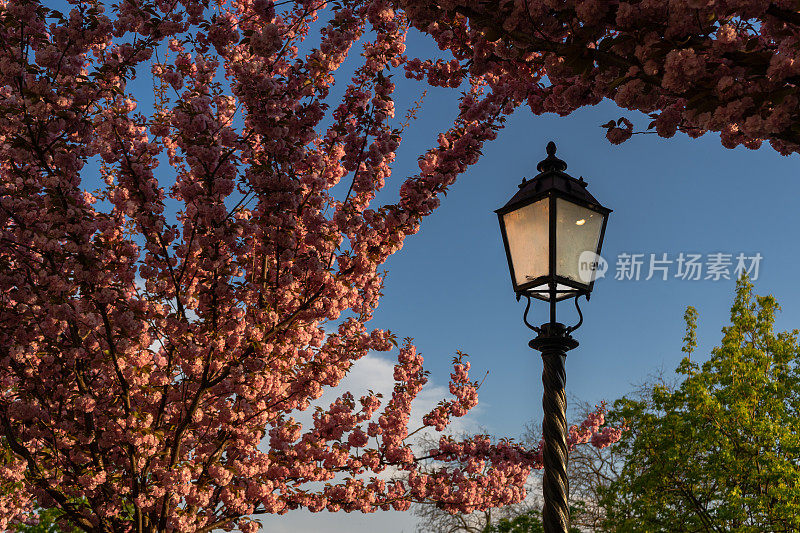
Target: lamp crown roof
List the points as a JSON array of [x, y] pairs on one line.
[[552, 177]]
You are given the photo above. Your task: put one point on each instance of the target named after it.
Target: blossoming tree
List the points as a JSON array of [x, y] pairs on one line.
[[728, 66], [158, 334]]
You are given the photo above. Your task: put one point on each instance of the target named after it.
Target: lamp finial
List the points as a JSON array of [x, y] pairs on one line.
[[552, 162]]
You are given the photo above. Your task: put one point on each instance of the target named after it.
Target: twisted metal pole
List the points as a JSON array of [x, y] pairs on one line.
[[554, 341]]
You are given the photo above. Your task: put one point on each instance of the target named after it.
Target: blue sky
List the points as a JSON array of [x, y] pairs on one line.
[[449, 286], [450, 289]]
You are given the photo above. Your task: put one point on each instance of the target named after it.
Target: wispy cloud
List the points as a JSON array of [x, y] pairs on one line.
[[375, 372], [303, 521]]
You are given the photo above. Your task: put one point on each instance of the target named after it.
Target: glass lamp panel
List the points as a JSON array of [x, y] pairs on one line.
[[561, 289], [543, 291], [540, 291], [577, 231], [527, 231]]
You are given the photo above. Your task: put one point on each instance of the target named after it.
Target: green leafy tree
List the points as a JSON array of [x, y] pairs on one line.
[[720, 450], [529, 522], [47, 523]]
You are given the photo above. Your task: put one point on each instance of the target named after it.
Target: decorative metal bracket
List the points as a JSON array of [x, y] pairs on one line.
[[580, 314], [525, 316], [537, 329]]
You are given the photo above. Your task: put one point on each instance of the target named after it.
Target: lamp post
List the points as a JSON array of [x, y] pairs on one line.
[[553, 231]]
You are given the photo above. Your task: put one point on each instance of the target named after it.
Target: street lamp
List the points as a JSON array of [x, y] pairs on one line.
[[553, 231]]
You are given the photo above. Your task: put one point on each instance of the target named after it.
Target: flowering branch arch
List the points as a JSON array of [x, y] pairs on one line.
[[692, 65]]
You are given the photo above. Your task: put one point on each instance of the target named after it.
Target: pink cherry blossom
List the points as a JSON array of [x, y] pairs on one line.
[[160, 334], [681, 62]]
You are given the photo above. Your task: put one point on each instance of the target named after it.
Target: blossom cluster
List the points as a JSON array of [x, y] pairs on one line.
[[693, 66]]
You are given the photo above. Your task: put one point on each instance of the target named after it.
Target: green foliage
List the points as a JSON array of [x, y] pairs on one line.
[[47, 524], [721, 450], [528, 522]]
